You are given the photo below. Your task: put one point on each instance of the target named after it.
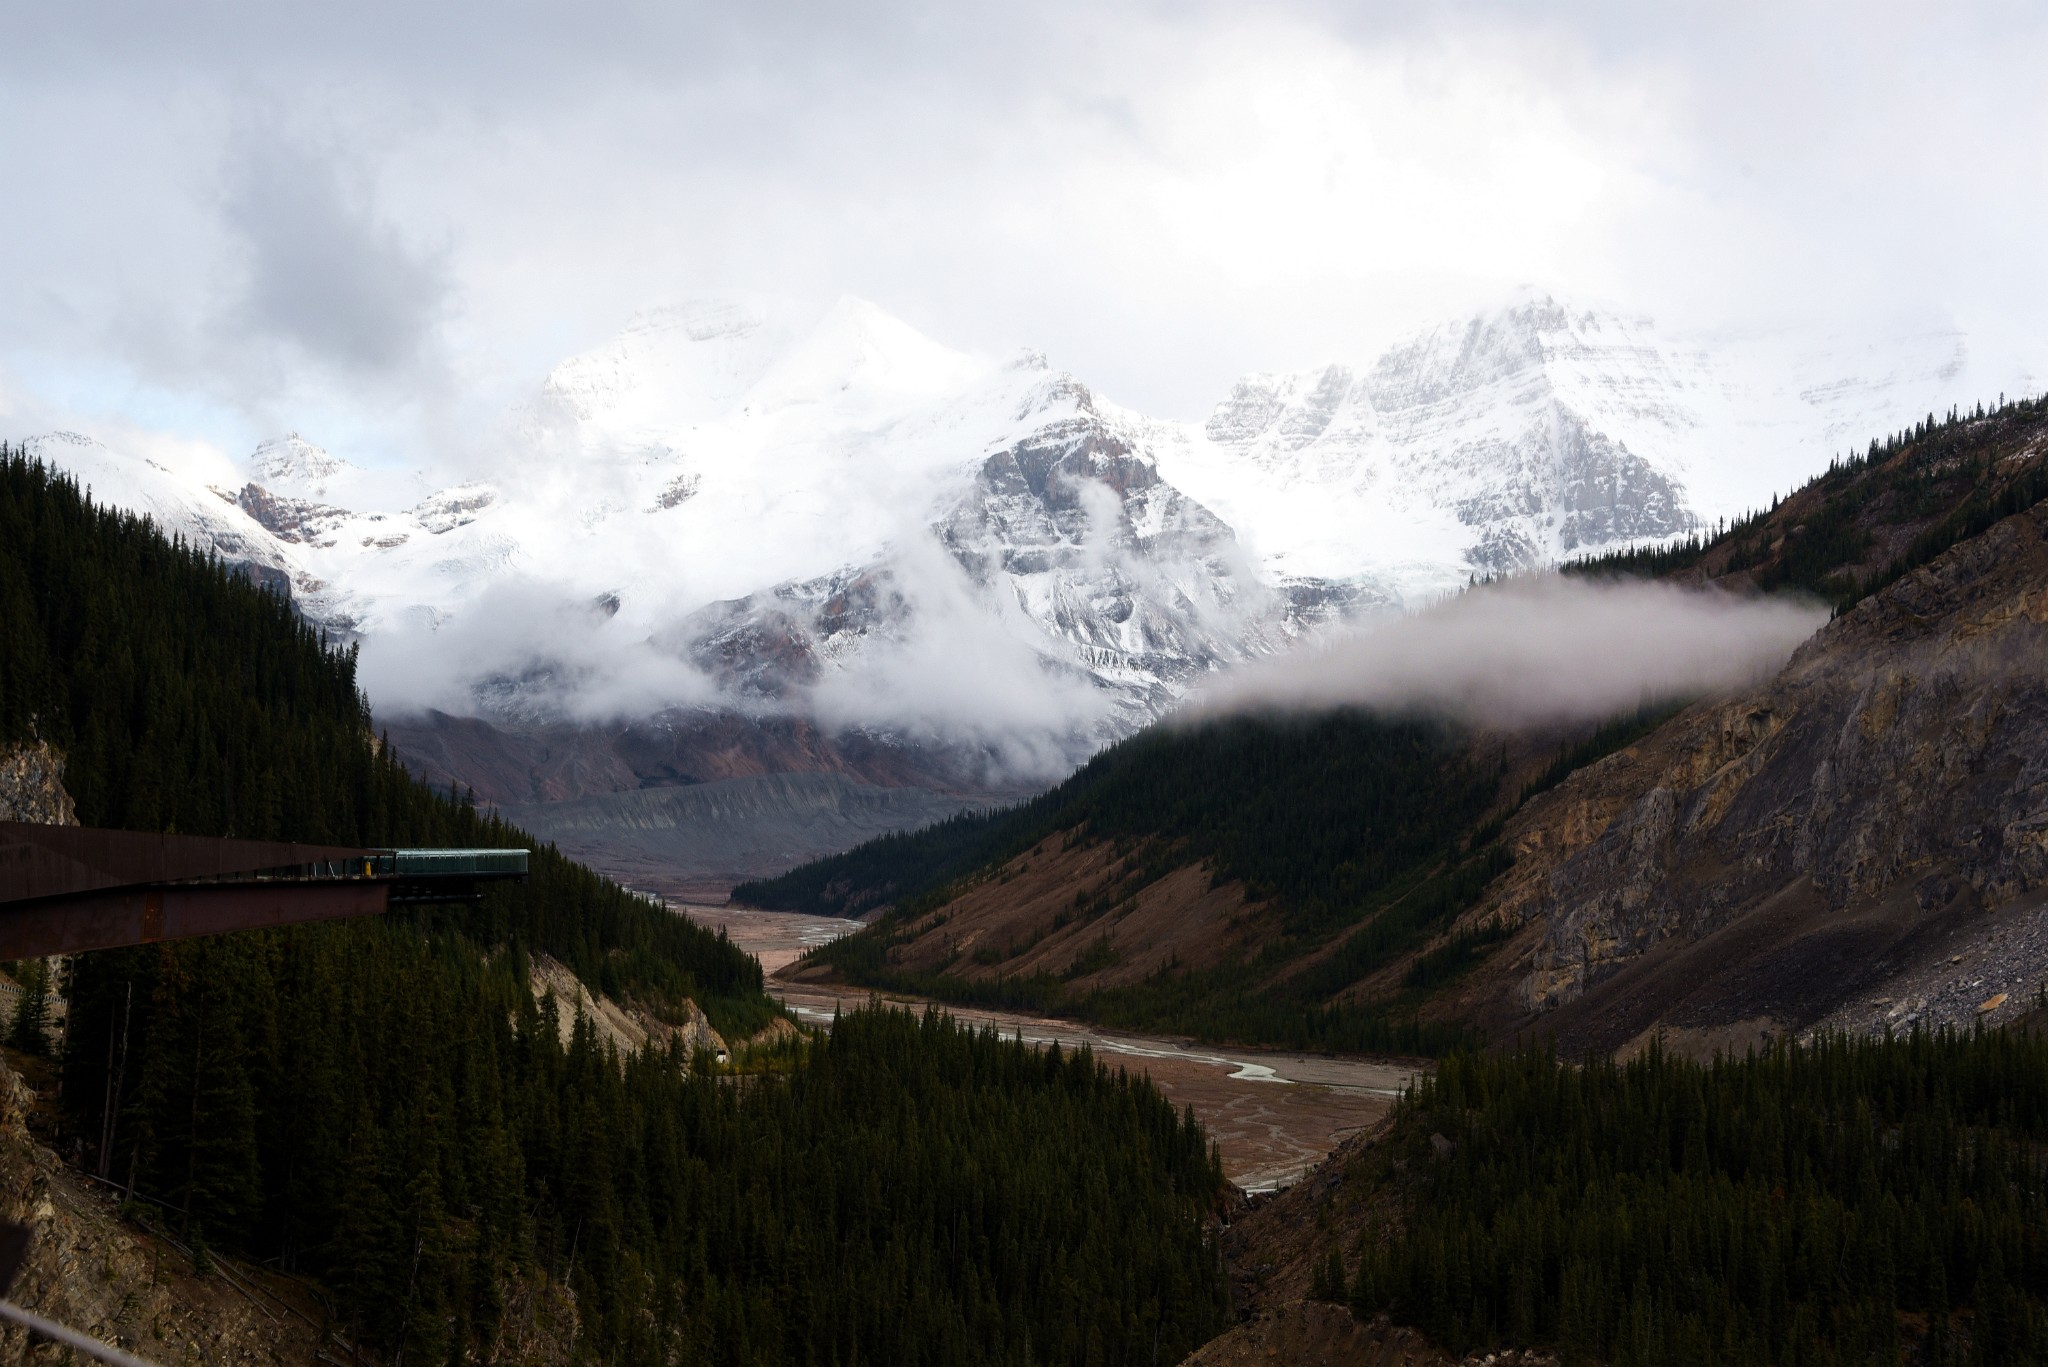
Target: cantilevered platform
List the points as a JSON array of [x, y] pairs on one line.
[[66, 889]]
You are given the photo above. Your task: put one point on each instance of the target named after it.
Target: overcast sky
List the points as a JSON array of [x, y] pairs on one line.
[[379, 222]]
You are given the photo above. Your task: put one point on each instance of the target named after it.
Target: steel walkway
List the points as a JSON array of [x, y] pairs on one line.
[[66, 889]]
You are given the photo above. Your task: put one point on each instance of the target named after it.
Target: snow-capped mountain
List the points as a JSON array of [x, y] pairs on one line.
[[179, 501], [1536, 433], [748, 505]]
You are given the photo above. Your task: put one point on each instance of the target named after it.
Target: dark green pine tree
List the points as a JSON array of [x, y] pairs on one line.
[[29, 1031]]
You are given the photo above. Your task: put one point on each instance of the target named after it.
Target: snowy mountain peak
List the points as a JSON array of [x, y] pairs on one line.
[[294, 466], [1532, 432], [298, 471], [702, 320], [680, 366], [180, 504], [1288, 412], [858, 356], [672, 365], [1532, 341]]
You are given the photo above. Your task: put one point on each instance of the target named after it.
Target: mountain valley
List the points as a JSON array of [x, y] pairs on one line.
[[1818, 896]]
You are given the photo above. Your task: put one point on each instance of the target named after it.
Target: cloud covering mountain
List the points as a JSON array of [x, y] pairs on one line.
[[755, 506]]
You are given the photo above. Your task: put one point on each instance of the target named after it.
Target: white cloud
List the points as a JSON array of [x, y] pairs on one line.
[[323, 277], [1159, 196], [1533, 652]]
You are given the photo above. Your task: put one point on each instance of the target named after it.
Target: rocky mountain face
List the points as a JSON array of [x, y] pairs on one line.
[[1861, 843], [1539, 432], [1473, 437], [751, 511], [1817, 848], [1067, 539]]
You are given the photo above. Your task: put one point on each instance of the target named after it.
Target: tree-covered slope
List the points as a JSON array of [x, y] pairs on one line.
[[1850, 1200], [382, 1106], [1358, 835], [1320, 812]]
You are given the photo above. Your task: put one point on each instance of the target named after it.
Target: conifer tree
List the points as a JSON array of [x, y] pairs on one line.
[[29, 1031]]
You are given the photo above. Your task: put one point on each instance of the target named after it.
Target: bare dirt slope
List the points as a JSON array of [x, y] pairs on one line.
[[1078, 909]]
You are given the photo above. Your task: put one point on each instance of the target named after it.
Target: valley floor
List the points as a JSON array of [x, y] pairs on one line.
[[1275, 1115]]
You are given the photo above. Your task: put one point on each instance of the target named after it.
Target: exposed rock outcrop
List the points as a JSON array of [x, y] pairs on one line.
[[32, 785], [1315, 1332], [626, 1028]]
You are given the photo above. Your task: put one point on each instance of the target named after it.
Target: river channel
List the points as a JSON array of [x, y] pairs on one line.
[[1273, 1114]]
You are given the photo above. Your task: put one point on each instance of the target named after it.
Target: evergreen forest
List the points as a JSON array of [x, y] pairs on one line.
[[1851, 1200], [382, 1106]]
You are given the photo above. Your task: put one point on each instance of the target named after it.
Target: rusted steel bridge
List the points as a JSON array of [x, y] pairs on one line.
[[66, 889]]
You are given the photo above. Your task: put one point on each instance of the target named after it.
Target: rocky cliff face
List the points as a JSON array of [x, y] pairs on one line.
[[1476, 426], [626, 1028], [1865, 840], [32, 786], [89, 1269]]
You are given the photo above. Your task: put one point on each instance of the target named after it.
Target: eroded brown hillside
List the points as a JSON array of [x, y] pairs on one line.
[[1044, 912], [1865, 838]]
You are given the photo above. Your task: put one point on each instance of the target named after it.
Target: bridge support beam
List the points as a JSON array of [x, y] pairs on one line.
[[140, 916]]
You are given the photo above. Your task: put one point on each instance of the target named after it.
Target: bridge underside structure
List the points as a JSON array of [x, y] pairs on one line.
[[67, 889]]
